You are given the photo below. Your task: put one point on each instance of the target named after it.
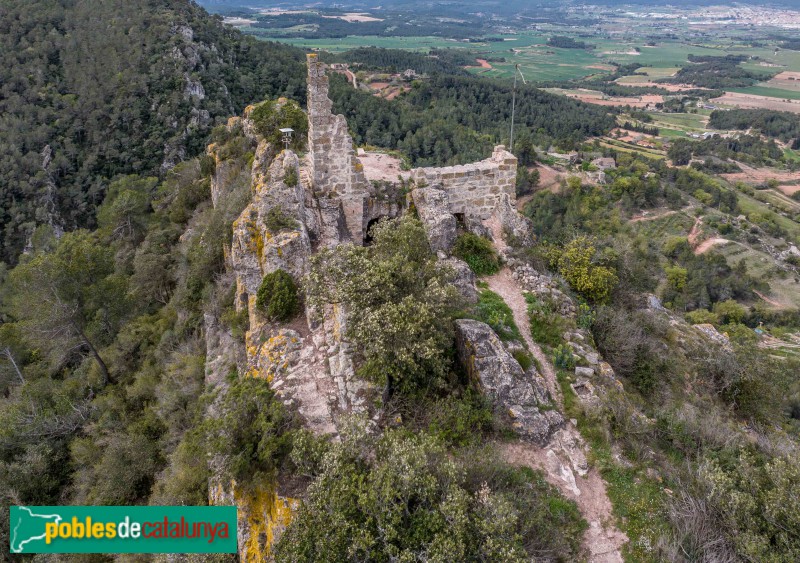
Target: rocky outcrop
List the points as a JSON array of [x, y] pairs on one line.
[[221, 351], [515, 226], [440, 225], [521, 395], [259, 247], [263, 516], [543, 286], [464, 278]]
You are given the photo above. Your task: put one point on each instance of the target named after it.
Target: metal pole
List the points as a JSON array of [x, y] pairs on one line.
[[513, 108]]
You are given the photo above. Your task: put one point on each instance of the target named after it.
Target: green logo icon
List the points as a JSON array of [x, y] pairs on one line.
[[27, 526], [123, 529]]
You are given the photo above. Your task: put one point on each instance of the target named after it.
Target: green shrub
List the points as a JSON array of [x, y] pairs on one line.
[[478, 252], [729, 312], [277, 220], [497, 314], [563, 357], [576, 262], [278, 296], [757, 504], [459, 421], [291, 179], [251, 433], [586, 316], [524, 359], [395, 495], [701, 316], [547, 325], [238, 322], [269, 117]]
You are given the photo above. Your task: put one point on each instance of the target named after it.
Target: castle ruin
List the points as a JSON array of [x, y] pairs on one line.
[[326, 200], [336, 174]]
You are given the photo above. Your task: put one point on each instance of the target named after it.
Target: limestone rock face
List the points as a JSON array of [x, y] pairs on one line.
[[512, 222], [221, 351], [464, 279], [544, 287], [257, 250], [520, 394], [440, 225]]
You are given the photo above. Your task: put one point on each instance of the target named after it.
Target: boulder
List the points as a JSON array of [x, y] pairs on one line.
[[521, 395], [654, 303]]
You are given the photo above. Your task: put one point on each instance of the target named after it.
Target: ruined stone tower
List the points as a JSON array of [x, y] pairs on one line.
[[335, 170]]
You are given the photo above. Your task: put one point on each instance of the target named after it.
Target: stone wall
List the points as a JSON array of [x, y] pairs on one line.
[[474, 189], [334, 168]]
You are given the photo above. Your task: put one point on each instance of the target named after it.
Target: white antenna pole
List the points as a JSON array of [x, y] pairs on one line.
[[514, 104]]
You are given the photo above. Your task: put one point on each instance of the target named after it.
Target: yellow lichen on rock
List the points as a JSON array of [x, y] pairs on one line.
[[268, 514]]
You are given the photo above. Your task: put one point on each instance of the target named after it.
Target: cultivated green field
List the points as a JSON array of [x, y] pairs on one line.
[[766, 91], [692, 122]]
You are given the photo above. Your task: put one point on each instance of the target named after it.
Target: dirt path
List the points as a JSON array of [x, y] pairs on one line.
[[694, 233], [708, 243], [770, 301], [506, 287], [602, 541], [653, 217], [563, 460]]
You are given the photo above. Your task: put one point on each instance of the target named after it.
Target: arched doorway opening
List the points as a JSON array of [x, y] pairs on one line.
[[370, 225]]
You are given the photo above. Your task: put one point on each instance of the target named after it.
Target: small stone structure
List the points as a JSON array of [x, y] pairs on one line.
[[474, 188]]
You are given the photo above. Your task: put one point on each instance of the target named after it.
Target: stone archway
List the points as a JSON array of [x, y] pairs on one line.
[[368, 230]]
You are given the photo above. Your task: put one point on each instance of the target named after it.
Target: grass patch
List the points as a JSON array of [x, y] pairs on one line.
[[478, 252], [492, 310], [547, 325], [524, 359], [769, 92]]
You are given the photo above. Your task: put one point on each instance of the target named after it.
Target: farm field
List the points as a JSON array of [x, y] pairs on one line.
[[598, 98], [645, 75], [761, 90], [692, 122], [631, 148], [787, 80], [753, 101], [754, 176]]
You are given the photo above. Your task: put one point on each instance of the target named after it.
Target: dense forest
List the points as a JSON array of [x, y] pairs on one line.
[[716, 73], [71, 120], [451, 119], [107, 315], [563, 42], [326, 24], [745, 148], [779, 124], [60, 146]]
